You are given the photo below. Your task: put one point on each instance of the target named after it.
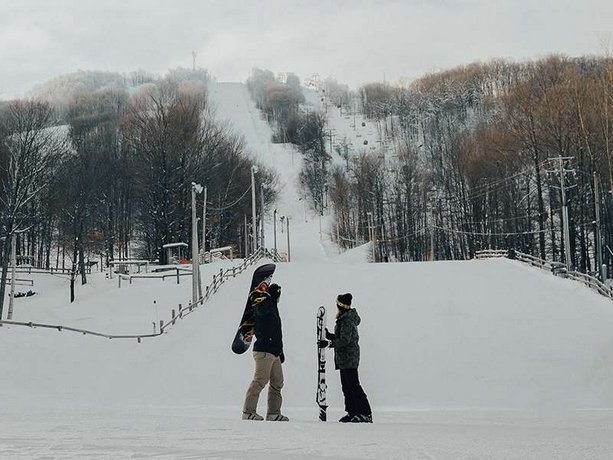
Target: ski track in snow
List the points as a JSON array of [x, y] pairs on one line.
[[461, 360]]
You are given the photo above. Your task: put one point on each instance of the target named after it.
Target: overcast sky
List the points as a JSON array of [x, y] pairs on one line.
[[354, 41]]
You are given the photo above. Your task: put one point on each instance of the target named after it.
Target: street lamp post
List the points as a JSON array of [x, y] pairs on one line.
[[274, 228], [254, 169], [288, 246], [196, 188], [262, 241], [246, 239], [204, 222], [371, 232]]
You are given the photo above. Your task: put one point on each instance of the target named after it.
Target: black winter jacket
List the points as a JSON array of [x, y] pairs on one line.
[[345, 340], [269, 337]]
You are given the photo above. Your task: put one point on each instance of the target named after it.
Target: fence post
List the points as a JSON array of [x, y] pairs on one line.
[[119, 279], [161, 326], [178, 278], [173, 317]]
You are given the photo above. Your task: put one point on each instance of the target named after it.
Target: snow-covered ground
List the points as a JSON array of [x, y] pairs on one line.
[[461, 360], [479, 359]]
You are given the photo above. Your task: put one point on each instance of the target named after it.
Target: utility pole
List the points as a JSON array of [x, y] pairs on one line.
[[253, 220], [565, 222], [597, 234], [565, 217]]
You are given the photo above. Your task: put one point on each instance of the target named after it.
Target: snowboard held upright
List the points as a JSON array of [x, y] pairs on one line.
[[244, 334], [321, 364]]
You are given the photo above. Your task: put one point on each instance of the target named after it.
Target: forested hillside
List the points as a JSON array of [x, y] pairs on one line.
[[478, 159], [96, 166], [479, 156]]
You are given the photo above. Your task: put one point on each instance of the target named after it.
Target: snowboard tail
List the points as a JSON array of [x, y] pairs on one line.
[[244, 334]]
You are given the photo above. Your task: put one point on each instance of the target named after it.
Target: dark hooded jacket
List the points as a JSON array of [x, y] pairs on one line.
[[267, 328], [345, 340]]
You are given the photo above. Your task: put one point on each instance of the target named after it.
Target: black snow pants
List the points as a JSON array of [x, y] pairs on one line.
[[356, 402]]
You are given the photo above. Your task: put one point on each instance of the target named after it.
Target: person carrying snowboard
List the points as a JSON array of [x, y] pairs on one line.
[[267, 353], [344, 341]]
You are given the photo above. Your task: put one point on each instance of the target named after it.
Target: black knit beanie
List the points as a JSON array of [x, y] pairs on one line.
[[345, 299]]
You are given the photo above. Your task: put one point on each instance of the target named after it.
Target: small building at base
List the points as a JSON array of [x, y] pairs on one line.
[[176, 253]]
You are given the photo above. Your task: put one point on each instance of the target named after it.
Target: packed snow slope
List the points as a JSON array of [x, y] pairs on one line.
[[488, 334], [448, 349], [308, 232]]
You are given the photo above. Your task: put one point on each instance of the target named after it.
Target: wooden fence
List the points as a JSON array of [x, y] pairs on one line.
[[557, 268], [177, 273], [21, 282], [176, 314], [47, 271]]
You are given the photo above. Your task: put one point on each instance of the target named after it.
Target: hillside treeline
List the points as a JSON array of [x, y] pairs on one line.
[[105, 171], [475, 157]]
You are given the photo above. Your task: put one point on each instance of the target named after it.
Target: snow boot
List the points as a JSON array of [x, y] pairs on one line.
[[361, 418], [346, 418], [252, 416], [276, 418]]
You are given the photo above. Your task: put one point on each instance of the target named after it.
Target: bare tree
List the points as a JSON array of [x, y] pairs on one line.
[[30, 149]]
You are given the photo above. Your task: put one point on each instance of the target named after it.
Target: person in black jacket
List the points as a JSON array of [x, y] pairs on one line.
[[267, 353], [347, 359]]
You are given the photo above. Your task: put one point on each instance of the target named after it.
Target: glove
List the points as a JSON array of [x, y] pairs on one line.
[[282, 357], [329, 335], [323, 343], [275, 291]]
